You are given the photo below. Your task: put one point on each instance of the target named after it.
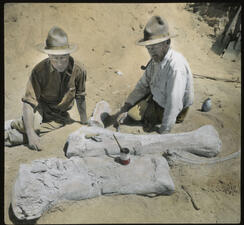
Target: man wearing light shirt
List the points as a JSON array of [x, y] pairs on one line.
[[165, 91]]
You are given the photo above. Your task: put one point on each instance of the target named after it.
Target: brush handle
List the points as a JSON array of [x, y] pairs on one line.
[[117, 142]]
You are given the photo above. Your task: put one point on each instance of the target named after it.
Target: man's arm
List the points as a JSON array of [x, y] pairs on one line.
[[81, 105], [29, 100], [141, 89], [80, 94], [28, 118]]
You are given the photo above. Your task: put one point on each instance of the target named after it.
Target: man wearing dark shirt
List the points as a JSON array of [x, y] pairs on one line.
[[52, 87]]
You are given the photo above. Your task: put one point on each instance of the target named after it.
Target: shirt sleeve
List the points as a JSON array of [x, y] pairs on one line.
[[33, 90], [141, 89], [174, 101], [80, 83]]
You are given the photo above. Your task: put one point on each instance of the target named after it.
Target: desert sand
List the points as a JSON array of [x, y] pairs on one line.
[[106, 35]]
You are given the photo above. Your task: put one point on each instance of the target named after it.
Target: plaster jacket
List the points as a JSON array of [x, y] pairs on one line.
[[171, 84]]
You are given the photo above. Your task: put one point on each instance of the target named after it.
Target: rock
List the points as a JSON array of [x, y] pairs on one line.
[[119, 72], [206, 106]]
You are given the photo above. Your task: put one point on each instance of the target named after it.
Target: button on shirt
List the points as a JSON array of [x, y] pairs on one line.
[[52, 90], [171, 84]]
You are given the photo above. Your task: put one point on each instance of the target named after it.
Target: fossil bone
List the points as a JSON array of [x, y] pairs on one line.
[[45, 182], [202, 142]]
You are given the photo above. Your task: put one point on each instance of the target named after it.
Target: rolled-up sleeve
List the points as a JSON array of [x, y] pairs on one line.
[[80, 83], [33, 90], [175, 94]]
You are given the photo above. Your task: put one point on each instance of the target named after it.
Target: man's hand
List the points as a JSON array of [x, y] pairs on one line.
[[34, 142], [120, 119], [28, 118], [122, 114]]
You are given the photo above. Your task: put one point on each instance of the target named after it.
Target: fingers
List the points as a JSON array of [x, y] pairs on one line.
[[117, 119], [39, 148], [34, 142], [35, 145], [122, 117], [36, 148]]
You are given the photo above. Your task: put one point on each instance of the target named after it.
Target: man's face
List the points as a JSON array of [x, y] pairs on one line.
[[59, 62], [158, 51]]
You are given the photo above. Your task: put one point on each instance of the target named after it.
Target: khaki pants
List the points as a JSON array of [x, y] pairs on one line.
[[15, 134], [149, 111]]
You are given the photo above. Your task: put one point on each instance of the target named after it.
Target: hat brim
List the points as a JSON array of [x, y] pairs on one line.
[[142, 42], [41, 48]]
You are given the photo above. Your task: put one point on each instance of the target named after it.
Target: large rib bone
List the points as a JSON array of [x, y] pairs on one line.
[[45, 182], [202, 142]]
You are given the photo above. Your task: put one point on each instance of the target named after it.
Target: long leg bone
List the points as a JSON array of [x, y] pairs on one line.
[[202, 142]]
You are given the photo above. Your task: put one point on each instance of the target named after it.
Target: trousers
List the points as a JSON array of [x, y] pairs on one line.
[[149, 110], [15, 133]]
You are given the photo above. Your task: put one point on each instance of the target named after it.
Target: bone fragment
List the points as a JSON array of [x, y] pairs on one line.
[[188, 158], [100, 112]]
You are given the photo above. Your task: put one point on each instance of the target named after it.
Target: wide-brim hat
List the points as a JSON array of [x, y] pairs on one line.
[[155, 31], [57, 43]]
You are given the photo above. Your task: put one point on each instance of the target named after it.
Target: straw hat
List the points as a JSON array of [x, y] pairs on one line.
[[156, 31], [57, 43]]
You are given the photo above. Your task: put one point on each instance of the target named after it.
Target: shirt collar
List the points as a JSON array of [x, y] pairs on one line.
[[166, 57], [69, 68]]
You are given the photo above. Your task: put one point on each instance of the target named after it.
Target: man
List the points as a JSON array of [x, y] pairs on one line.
[[52, 87], [165, 91]]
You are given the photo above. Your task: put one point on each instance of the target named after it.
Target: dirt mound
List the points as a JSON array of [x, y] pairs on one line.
[[214, 14], [225, 18]]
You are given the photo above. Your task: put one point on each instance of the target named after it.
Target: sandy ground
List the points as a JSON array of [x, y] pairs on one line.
[[106, 35]]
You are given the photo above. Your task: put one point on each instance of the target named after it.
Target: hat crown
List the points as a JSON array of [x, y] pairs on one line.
[[56, 39], [156, 28]]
